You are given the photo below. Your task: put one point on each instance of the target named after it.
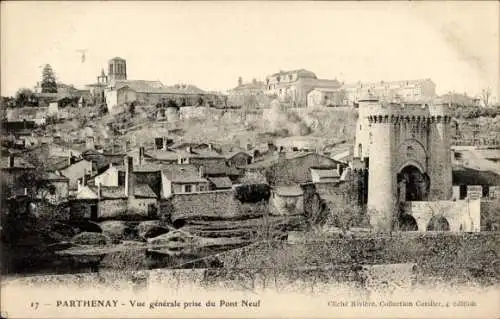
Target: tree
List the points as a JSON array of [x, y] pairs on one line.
[[172, 103], [485, 95], [49, 84], [25, 97], [131, 108]]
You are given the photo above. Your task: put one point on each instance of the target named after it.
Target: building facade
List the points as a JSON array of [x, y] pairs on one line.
[[292, 87], [406, 90]]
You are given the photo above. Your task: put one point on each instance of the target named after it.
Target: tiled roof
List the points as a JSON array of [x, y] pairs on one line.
[[186, 173], [140, 86], [274, 157], [143, 86], [299, 72], [162, 155], [199, 153], [219, 168], [233, 153], [288, 190], [259, 85], [144, 191], [221, 182], [185, 89], [51, 176], [325, 172]]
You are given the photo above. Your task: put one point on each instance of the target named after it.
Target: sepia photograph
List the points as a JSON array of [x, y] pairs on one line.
[[250, 159]]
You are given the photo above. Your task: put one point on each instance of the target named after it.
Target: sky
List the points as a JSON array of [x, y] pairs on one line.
[[211, 44]]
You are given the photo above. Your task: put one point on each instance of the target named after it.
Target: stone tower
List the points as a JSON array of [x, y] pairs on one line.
[[406, 147], [117, 69]]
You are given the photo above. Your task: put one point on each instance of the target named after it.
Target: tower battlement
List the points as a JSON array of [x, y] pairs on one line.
[[378, 111]]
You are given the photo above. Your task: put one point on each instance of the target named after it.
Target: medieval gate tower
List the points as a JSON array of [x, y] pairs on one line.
[[406, 147]]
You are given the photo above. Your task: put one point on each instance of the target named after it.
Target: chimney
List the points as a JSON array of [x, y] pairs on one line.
[[99, 193], [11, 160], [25, 191], [211, 146], [164, 145], [129, 178], [188, 149], [339, 169], [70, 158], [201, 171], [78, 185], [141, 155]]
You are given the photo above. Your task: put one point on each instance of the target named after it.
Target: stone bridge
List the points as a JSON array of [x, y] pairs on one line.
[[459, 215]]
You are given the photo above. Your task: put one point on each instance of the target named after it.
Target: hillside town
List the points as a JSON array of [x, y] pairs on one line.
[[114, 158], [207, 159]]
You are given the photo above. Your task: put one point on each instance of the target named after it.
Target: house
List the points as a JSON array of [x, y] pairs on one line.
[[131, 200], [406, 90], [248, 94], [327, 97], [185, 178], [293, 86], [14, 173], [238, 158], [59, 190], [284, 168], [76, 171], [36, 114], [287, 200]]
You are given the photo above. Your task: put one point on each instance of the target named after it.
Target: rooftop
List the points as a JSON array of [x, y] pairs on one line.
[[288, 190], [183, 173], [221, 182], [300, 72]]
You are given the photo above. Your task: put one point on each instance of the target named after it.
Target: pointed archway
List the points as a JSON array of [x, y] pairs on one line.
[[413, 184]]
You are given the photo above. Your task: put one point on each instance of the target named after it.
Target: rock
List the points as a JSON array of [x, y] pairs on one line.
[[60, 246], [87, 226], [117, 230], [150, 229], [88, 238]]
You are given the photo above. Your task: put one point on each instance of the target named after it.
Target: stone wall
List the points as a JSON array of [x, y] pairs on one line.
[[213, 204], [109, 208]]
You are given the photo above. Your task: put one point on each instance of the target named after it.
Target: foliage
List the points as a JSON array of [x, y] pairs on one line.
[[472, 112], [26, 97], [131, 108], [49, 84]]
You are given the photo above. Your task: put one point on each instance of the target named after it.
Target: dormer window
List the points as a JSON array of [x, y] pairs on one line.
[[290, 77], [278, 79]]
